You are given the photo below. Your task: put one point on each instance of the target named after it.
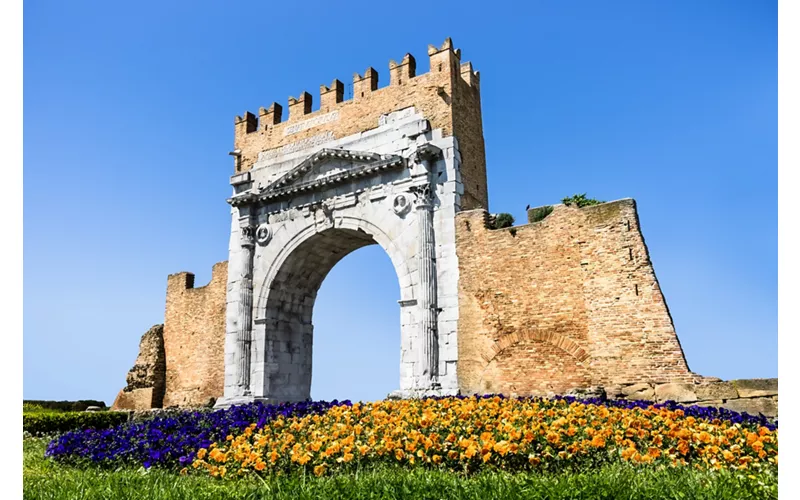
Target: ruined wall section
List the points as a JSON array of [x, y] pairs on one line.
[[566, 302], [194, 336], [448, 96], [146, 379]]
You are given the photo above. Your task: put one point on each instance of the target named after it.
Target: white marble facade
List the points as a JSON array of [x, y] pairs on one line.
[[300, 210]]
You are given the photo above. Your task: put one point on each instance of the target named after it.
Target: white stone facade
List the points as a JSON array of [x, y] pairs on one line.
[[306, 207]]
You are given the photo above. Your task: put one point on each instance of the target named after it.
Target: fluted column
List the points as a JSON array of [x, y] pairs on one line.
[[243, 335], [426, 264]]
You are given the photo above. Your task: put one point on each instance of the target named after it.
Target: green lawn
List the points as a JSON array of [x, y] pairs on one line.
[[46, 479]]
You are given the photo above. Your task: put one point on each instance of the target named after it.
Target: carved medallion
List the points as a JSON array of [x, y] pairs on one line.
[[263, 234], [401, 204]]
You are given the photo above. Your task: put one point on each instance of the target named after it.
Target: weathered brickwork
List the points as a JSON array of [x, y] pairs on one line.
[[448, 96], [194, 336], [581, 282]]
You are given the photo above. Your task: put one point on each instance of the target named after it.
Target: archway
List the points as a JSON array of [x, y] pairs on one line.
[[357, 349], [284, 329]]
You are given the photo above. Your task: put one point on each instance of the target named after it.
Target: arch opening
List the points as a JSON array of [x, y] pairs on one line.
[[287, 308]]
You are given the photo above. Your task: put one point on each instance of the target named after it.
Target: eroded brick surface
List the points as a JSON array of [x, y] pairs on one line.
[[194, 336], [582, 280]]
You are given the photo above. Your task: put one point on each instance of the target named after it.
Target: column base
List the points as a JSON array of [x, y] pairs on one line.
[[224, 402], [435, 391]]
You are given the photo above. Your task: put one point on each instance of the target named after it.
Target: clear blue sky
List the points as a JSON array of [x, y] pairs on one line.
[[128, 119]]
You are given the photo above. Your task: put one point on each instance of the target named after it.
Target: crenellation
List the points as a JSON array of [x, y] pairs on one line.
[[180, 281], [363, 86], [469, 76], [331, 96], [401, 73], [300, 106], [246, 124], [270, 116]]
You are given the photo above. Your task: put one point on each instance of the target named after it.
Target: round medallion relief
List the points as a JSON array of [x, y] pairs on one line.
[[263, 234], [401, 204]]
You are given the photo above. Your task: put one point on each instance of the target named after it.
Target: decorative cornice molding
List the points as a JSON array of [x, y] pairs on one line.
[[286, 185]]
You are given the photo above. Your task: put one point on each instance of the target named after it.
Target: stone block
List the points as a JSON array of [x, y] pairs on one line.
[[756, 387], [680, 393], [715, 403], [715, 391], [637, 392], [137, 399], [765, 405], [587, 392]]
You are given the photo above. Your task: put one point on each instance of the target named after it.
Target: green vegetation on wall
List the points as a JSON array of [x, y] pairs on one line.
[[539, 213], [503, 220], [580, 201]]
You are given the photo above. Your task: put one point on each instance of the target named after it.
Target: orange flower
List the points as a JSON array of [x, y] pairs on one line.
[[598, 441], [319, 470]]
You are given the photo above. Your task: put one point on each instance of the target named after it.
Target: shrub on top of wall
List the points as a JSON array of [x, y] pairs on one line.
[[580, 201], [503, 220], [43, 423], [539, 213]]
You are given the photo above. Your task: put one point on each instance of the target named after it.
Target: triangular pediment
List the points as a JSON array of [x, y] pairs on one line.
[[322, 170]]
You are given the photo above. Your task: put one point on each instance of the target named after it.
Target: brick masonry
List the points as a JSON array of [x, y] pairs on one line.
[[561, 303], [194, 336]]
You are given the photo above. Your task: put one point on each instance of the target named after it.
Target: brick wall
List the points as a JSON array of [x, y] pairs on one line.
[[566, 302], [194, 335]]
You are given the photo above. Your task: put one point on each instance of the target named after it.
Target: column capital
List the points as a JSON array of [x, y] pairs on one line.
[[424, 196], [425, 154]]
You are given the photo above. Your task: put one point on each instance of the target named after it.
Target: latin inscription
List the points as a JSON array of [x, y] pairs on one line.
[[311, 123]]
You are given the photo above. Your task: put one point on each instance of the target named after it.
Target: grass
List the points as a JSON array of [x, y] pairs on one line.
[[45, 479]]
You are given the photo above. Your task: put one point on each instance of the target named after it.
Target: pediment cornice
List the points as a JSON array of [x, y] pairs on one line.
[[364, 164]]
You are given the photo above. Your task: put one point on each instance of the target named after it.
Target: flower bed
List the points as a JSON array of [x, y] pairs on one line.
[[467, 434], [170, 441]]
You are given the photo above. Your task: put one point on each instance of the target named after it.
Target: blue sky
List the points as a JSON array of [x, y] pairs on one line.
[[128, 118]]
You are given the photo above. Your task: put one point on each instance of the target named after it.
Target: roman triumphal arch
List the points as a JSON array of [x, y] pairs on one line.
[[300, 210]]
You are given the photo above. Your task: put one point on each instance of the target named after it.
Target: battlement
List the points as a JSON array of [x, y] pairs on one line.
[[447, 95], [442, 59], [182, 281]]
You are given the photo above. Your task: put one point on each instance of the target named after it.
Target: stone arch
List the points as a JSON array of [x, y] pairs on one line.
[[283, 340], [340, 222], [535, 363], [556, 339]]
